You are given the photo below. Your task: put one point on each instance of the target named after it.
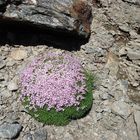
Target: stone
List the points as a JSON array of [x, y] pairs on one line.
[[128, 130], [104, 96], [1, 77], [123, 12], [99, 116], [11, 117], [136, 2], [40, 134], [1, 101], [124, 28], [5, 93], [107, 135], [137, 120], [94, 50], [129, 68], [99, 109], [18, 54], [124, 86], [12, 86], [9, 131], [28, 137], [133, 55], [10, 62], [102, 39], [136, 107], [96, 95], [112, 63], [68, 136], [135, 83], [133, 34], [123, 51], [104, 3], [2, 64], [134, 95], [121, 108], [57, 15]]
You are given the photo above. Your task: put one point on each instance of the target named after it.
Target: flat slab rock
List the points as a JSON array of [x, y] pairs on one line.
[[9, 131], [68, 16]]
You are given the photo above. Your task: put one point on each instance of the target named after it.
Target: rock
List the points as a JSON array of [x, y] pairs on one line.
[[1, 77], [57, 15], [99, 109], [108, 135], [133, 55], [40, 135], [124, 28], [137, 120], [18, 54], [28, 137], [104, 96], [11, 117], [124, 86], [112, 64], [9, 131], [136, 107], [136, 2], [2, 64], [10, 62], [102, 38], [128, 131], [96, 95], [5, 93], [99, 116], [133, 34], [121, 108], [94, 50], [68, 136], [12, 86], [122, 12], [134, 95], [1, 101], [129, 66], [123, 52]]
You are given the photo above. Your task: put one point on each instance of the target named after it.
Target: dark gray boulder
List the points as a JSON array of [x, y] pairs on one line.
[[67, 16]]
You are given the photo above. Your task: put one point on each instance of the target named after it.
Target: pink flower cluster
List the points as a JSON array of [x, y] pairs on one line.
[[54, 80]]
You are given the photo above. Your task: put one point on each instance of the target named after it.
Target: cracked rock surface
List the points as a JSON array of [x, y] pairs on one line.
[[66, 16]]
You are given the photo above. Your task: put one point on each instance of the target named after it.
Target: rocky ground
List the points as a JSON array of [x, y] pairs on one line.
[[112, 53]]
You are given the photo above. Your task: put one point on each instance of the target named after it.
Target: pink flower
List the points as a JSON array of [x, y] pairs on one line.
[[55, 80]]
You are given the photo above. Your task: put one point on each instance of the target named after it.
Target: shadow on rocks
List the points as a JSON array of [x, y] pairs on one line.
[[28, 35]]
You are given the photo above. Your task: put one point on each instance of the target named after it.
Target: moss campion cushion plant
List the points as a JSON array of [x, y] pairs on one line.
[[54, 88]]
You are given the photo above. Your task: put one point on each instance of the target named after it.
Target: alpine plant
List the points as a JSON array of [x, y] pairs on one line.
[[54, 81]]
